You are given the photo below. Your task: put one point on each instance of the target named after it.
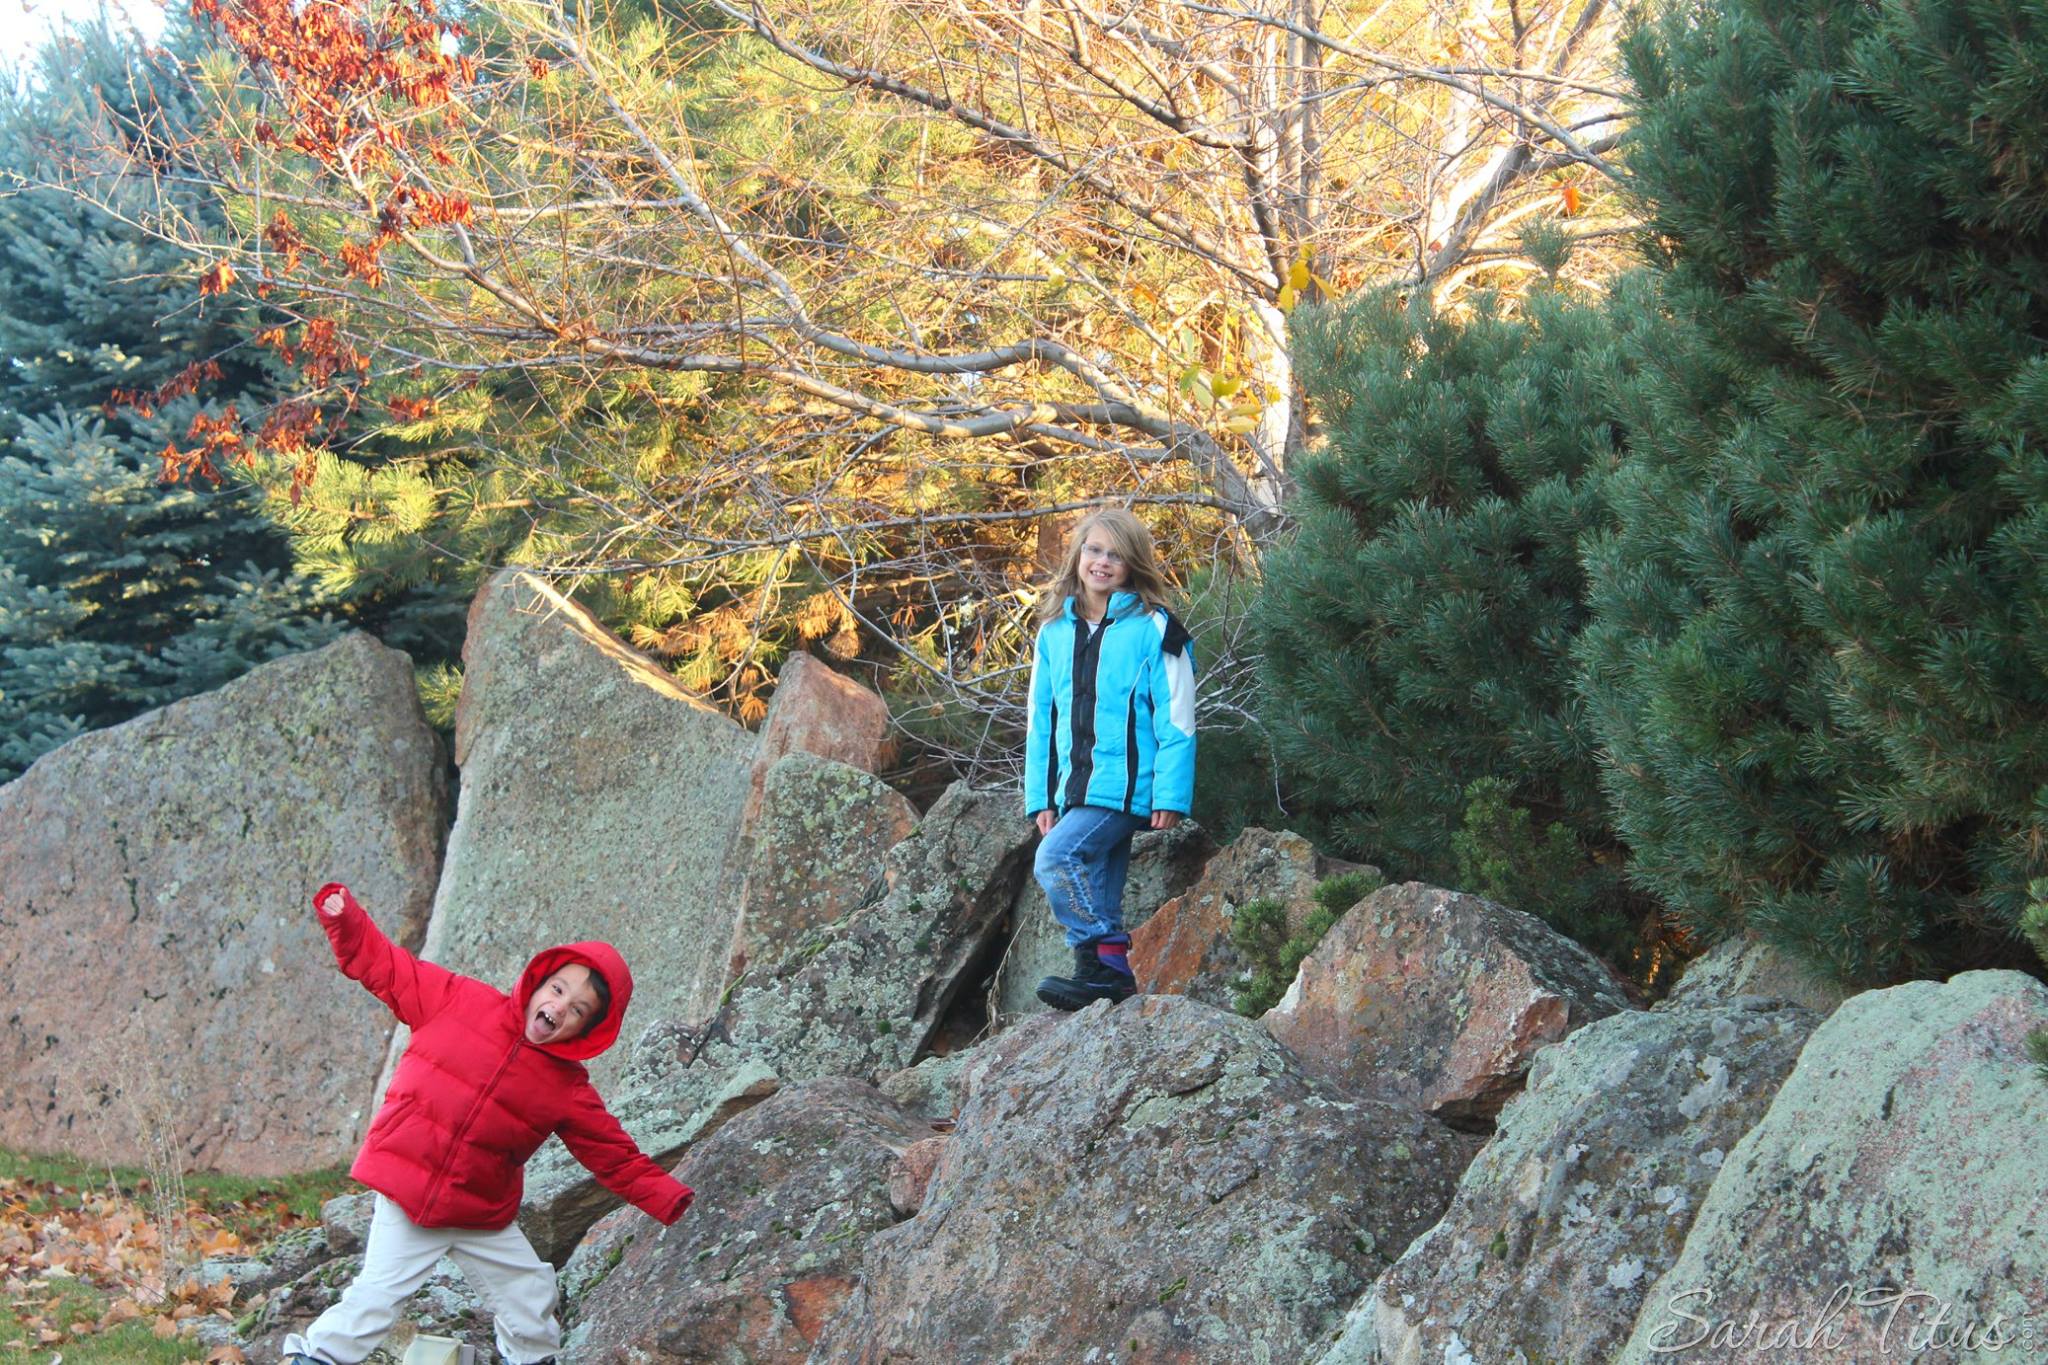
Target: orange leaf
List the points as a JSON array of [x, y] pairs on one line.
[[217, 280], [1571, 200]]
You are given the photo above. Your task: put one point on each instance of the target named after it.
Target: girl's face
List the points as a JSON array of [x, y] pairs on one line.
[[1102, 565]]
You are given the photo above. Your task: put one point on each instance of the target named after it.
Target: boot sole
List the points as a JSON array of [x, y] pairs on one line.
[[1067, 998]]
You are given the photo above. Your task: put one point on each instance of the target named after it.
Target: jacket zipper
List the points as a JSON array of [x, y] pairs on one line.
[[462, 1130], [1081, 747]]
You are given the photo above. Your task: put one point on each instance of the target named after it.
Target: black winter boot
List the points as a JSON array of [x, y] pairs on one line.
[[1093, 980]]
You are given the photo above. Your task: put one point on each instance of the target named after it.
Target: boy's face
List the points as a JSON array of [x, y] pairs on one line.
[[563, 1006]]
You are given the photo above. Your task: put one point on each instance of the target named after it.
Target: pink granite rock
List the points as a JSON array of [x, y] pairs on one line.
[[1185, 948], [1438, 1000], [168, 981], [913, 1174]]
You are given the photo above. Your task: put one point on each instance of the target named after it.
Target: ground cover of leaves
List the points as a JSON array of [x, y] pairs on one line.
[[100, 1266]]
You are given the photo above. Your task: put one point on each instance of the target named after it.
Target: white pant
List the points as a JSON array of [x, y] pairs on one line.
[[515, 1285]]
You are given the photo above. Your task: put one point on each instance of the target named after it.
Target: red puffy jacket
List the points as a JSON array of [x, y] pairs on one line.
[[472, 1099]]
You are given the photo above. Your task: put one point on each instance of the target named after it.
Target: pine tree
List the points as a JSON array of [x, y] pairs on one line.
[[116, 594], [1819, 659], [1417, 631]]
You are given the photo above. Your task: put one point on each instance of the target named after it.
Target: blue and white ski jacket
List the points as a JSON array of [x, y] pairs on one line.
[[1112, 712]]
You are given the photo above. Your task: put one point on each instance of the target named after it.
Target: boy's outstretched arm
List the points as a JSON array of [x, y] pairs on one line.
[[595, 1138], [414, 990]]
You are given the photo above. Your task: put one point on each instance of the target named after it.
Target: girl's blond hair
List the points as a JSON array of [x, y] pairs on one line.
[[1129, 538]]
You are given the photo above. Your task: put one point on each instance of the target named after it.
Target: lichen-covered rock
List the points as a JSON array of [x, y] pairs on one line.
[[1889, 1198], [1584, 1195], [156, 879], [815, 853], [1156, 1181], [939, 1087], [1185, 949], [1164, 863], [1438, 1000], [862, 997], [1747, 966], [788, 1194], [599, 800]]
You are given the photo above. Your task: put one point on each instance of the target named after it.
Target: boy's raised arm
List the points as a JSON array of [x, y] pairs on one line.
[[595, 1138], [414, 990]]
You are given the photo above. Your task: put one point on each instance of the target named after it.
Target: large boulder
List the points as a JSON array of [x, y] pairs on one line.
[[1584, 1195], [1888, 1204], [1439, 1000], [599, 800], [1158, 1181], [816, 852], [170, 988], [788, 1195], [1164, 863], [862, 997], [1186, 949]]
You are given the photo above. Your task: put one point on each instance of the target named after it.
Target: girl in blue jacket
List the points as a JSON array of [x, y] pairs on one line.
[[1111, 745]]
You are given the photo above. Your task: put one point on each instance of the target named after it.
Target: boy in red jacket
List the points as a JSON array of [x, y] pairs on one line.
[[485, 1079]]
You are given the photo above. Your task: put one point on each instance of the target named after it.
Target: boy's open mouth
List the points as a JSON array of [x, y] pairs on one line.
[[545, 1020]]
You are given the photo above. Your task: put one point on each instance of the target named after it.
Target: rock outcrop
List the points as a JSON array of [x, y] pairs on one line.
[[1157, 1181], [599, 800], [170, 982], [1888, 1204], [1438, 1000], [1585, 1193], [788, 1195], [1185, 949], [859, 998]]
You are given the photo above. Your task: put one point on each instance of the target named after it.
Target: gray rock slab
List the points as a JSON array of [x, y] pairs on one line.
[[862, 997], [1747, 966], [1584, 1194], [816, 852], [790, 1192], [599, 800], [1888, 1203]]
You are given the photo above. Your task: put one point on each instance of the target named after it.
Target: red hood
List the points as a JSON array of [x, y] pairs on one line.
[[601, 958]]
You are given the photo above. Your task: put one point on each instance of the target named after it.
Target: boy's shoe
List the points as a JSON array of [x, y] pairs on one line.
[[1093, 980]]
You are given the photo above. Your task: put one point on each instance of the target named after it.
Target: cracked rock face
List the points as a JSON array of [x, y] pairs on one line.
[[788, 1196], [1157, 1181], [1438, 1000], [1586, 1191], [1901, 1159], [156, 881]]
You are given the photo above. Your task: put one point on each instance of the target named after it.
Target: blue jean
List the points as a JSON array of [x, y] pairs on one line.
[[1082, 865]]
